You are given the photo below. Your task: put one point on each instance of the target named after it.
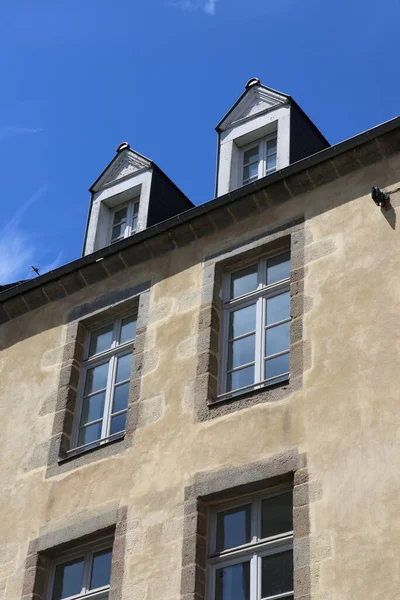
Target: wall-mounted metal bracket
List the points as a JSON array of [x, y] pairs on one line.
[[380, 198]]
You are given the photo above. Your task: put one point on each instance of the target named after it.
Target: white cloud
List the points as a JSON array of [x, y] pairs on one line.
[[7, 132], [209, 7], [15, 256], [206, 6], [17, 249]]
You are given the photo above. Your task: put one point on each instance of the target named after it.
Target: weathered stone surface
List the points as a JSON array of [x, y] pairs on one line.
[[300, 183], [222, 217], [151, 410], [35, 298], [339, 411], [135, 254], [323, 173], [346, 163], [93, 273], [277, 193], [160, 244], [54, 290], [73, 282], [202, 226], [243, 207], [182, 235], [3, 315], [369, 153], [113, 264], [16, 306]]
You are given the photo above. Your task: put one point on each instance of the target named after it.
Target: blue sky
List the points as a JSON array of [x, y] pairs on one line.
[[80, 76]]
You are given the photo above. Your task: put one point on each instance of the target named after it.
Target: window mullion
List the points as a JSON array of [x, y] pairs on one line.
[[86, 571], [254, 578], [109, 396], [254, 519], [116, 333], [263, 161], [259, 304], [129, 217], [259, 335]]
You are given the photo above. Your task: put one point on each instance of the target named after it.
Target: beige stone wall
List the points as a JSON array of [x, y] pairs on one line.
[[345, 419]]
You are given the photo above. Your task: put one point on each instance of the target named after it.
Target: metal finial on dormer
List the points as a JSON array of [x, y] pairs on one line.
[[251, 82], [123, 146]]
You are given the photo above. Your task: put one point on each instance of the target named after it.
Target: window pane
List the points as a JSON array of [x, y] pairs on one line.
[[124, 367], [89, 434], [277, 515], [277, 339], [68, 579], [278, 308], [120, 397], [242, 351], [117, 232], [128, 329], [244, 281], [242, 321], [233, 527], [101, 569], [271, 162], [271, 146], [278, 268], [101, 340], [250, 172], [136, 208], [120, 215], [277, 574], [118, 423], [250, 156], [239, 379], [277, 366], [233, 583], [134, 223], [93, 408], [96, 379]]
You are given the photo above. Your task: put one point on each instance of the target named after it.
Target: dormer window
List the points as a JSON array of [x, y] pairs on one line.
[[131, 194], [259, 159], [124, 221], [264, 131]]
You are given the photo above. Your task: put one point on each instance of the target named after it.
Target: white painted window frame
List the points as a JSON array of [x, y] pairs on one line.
[[107, 356], [262, 146], [258, 297], [86, 552], [132, 211], [254, 551]]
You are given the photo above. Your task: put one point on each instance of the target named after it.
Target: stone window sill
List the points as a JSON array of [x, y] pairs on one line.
[[75, 452], [243, 394]]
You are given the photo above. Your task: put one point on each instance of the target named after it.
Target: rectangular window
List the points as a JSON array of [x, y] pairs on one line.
[[259, 159], [124, 221], [82, 574], [256, 325], [104, 383], [251, 550]]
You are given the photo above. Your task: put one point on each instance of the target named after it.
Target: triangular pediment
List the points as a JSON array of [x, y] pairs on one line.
[[125, 164], [256, 100]]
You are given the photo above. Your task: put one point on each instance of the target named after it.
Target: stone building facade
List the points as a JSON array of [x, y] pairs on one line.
[[194, 476]]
